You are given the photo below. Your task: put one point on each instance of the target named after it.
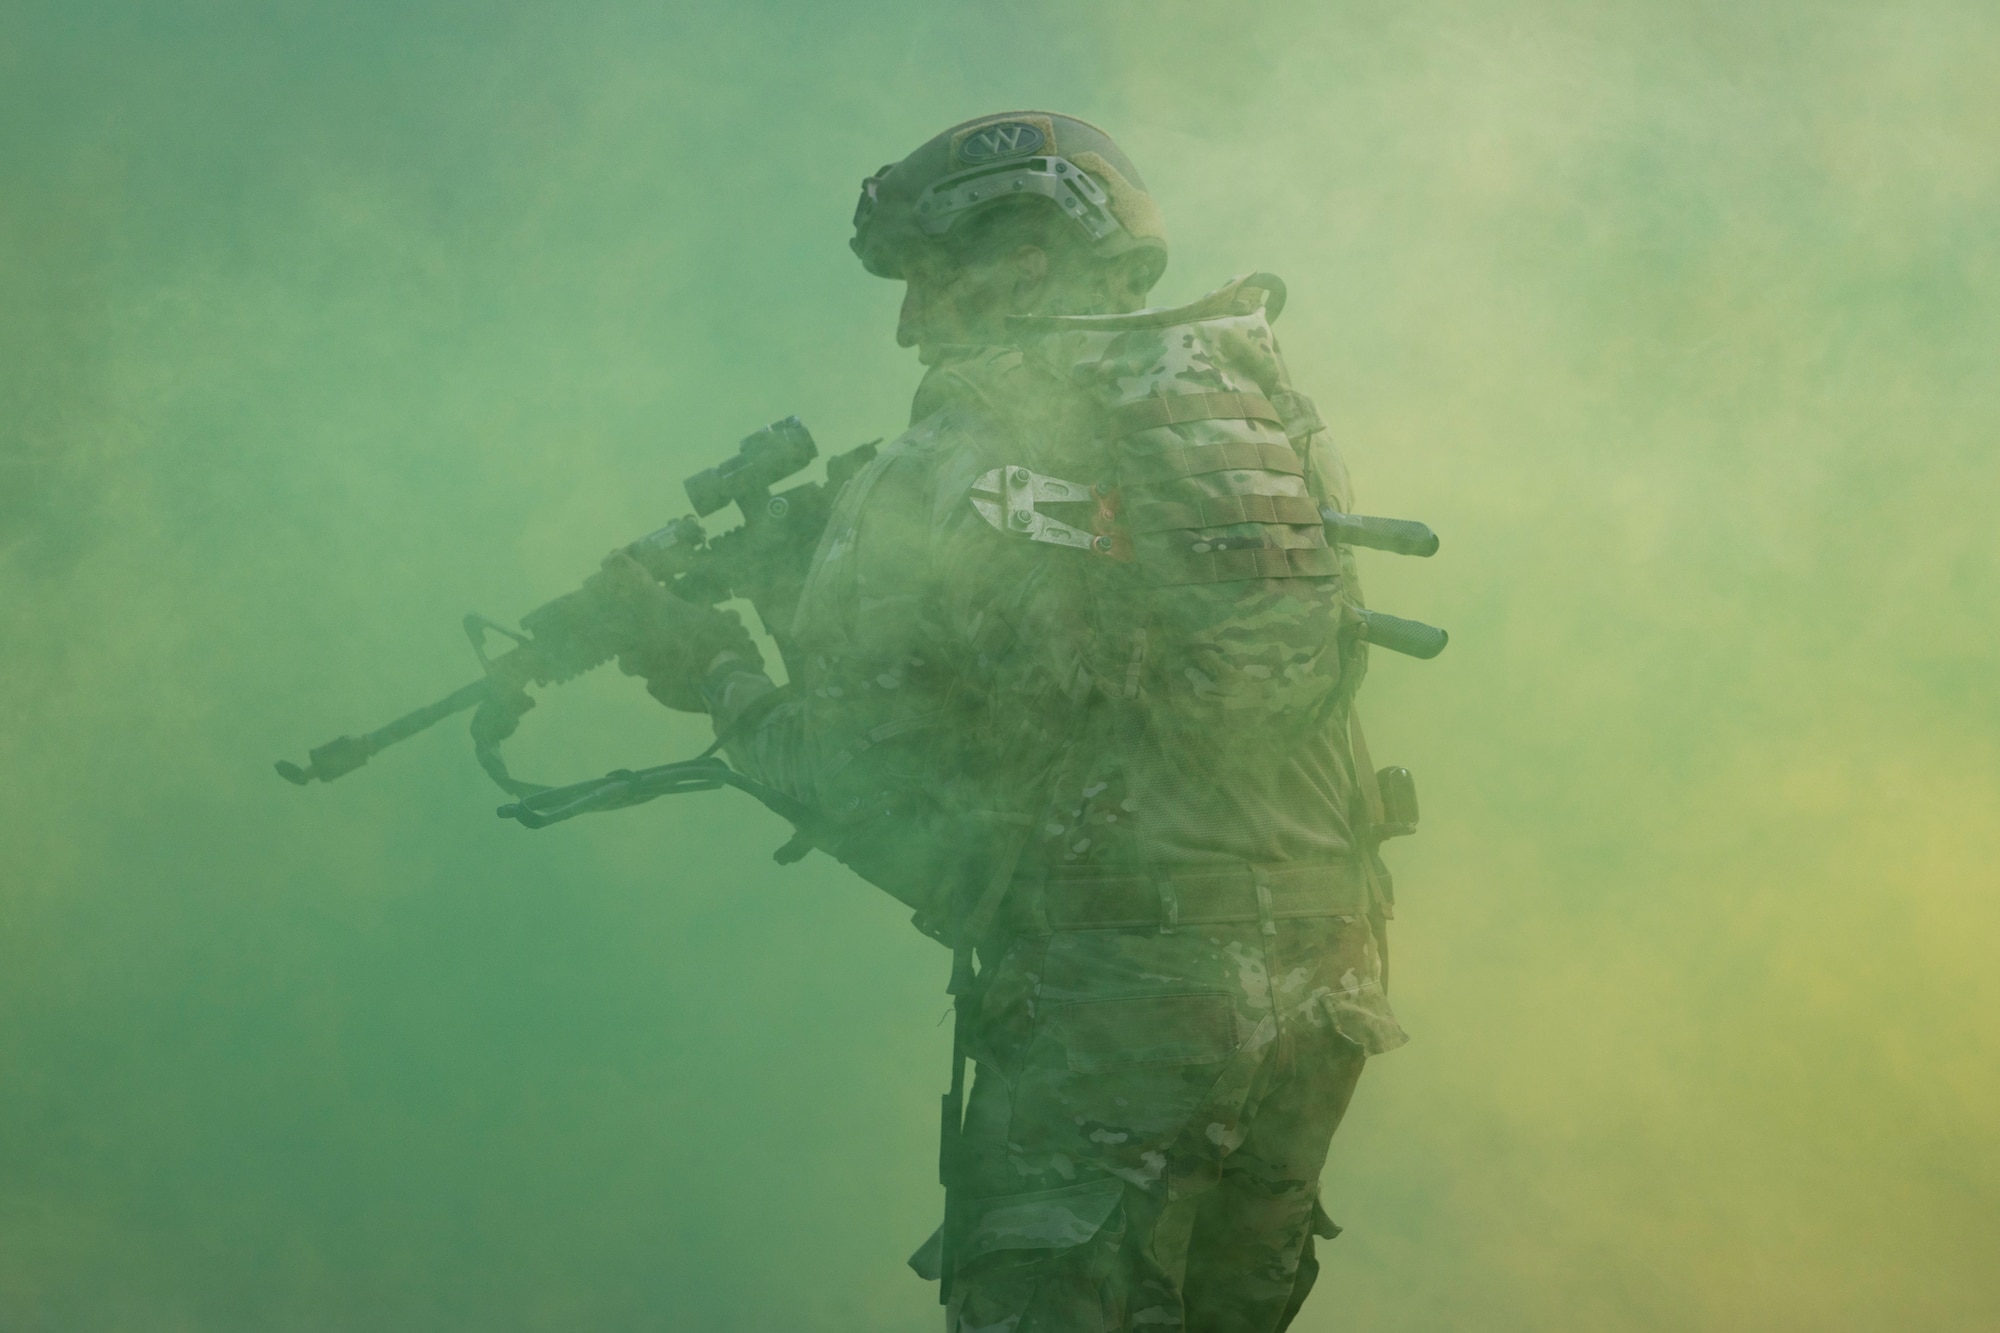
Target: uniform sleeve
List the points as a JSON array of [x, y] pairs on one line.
[[873, 735]]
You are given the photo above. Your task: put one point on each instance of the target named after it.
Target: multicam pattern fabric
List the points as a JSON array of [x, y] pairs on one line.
[[1153, 1099], [1150, 1120], [1225, 640]]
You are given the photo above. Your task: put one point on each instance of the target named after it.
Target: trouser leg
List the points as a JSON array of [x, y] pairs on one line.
[[1250, 1259], [1058, 1251], [1235, 1258], [1147, 1158]]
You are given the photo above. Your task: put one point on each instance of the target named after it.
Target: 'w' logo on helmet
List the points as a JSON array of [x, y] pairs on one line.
[[1009, 138]]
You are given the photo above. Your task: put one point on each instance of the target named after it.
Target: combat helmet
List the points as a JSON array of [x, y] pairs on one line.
[[1013, 153]]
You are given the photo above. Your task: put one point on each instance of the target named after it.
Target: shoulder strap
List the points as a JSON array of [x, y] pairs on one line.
[[1238, 296], [1364, 771], [1383, 884]]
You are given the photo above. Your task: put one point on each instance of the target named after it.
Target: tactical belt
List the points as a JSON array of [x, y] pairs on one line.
[[1074, 899]]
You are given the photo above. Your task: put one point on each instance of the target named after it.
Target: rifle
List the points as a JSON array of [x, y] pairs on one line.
[[764, 559]]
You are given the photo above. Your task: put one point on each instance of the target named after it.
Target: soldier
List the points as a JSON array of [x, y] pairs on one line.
[[1080, 670]]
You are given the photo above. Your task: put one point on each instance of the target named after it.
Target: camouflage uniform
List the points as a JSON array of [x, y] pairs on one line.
[[1130, 783]]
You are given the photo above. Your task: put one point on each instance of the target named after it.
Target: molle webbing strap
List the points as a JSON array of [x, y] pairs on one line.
[[970, 930], [1223, 510], [1201, 459], [1258, 562], [1076, 900], [1178, 408]]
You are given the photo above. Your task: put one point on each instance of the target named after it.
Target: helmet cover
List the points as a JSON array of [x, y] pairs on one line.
[[980, 162]]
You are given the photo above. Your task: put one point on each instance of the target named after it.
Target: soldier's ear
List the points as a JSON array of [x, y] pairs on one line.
[[1140, 269], [1031, 276]]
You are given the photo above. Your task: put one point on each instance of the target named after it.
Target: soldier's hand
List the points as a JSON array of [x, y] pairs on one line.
[[674, 644], [623, 585]]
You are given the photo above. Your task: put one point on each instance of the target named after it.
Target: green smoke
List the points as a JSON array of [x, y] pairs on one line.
[[321, 325]]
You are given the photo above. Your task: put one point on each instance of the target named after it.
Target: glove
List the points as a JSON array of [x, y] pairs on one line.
[[674, 644]]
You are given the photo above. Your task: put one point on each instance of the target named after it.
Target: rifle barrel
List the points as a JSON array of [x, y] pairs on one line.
[[343, 754]]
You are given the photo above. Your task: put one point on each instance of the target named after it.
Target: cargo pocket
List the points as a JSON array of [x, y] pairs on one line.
[[1364, 1018], [928, 1262], [1049, 1221], [1158, 1030], [1351, 968], [1323, 1228]]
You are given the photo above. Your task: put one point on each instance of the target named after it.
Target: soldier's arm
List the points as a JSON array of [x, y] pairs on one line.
[[763, 737], [868, 735]]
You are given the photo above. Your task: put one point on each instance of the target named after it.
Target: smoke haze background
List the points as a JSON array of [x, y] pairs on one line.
[[323, 324]]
